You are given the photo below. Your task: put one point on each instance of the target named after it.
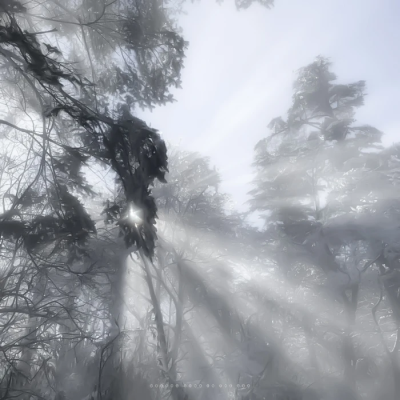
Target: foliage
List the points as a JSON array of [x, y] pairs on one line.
[[72, 74], [328, 191], [60, 117]]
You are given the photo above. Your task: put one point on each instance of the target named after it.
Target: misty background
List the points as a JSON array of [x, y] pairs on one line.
[[240, 66]]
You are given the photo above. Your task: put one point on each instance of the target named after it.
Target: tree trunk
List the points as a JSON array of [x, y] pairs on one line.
[[25, 363], [178, 323], [392, 287], [307, 326], [348, 346], [176, 393]]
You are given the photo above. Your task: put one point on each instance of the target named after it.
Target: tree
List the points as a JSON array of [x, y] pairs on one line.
[[185, 203], [69, 112], [180, 298], [223, 344], [318, 155], [59, 120]]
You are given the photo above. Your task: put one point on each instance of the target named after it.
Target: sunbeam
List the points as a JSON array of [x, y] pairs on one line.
[[259, 259]]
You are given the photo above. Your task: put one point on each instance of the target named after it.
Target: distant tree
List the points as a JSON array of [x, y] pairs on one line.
[[192, 214], [326, 187], [200, 244]]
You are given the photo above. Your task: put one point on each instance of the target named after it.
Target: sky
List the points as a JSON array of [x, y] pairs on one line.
[[240, 66]]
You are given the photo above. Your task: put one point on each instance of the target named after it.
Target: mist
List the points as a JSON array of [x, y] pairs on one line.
[[199, 200]]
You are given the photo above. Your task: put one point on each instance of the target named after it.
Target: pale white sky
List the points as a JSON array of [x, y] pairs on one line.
[[240, 67]]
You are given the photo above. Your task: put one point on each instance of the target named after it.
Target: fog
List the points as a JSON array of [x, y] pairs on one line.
[[199, 200]]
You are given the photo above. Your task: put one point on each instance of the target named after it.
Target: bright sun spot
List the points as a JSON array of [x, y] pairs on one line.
[[135, 215]]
